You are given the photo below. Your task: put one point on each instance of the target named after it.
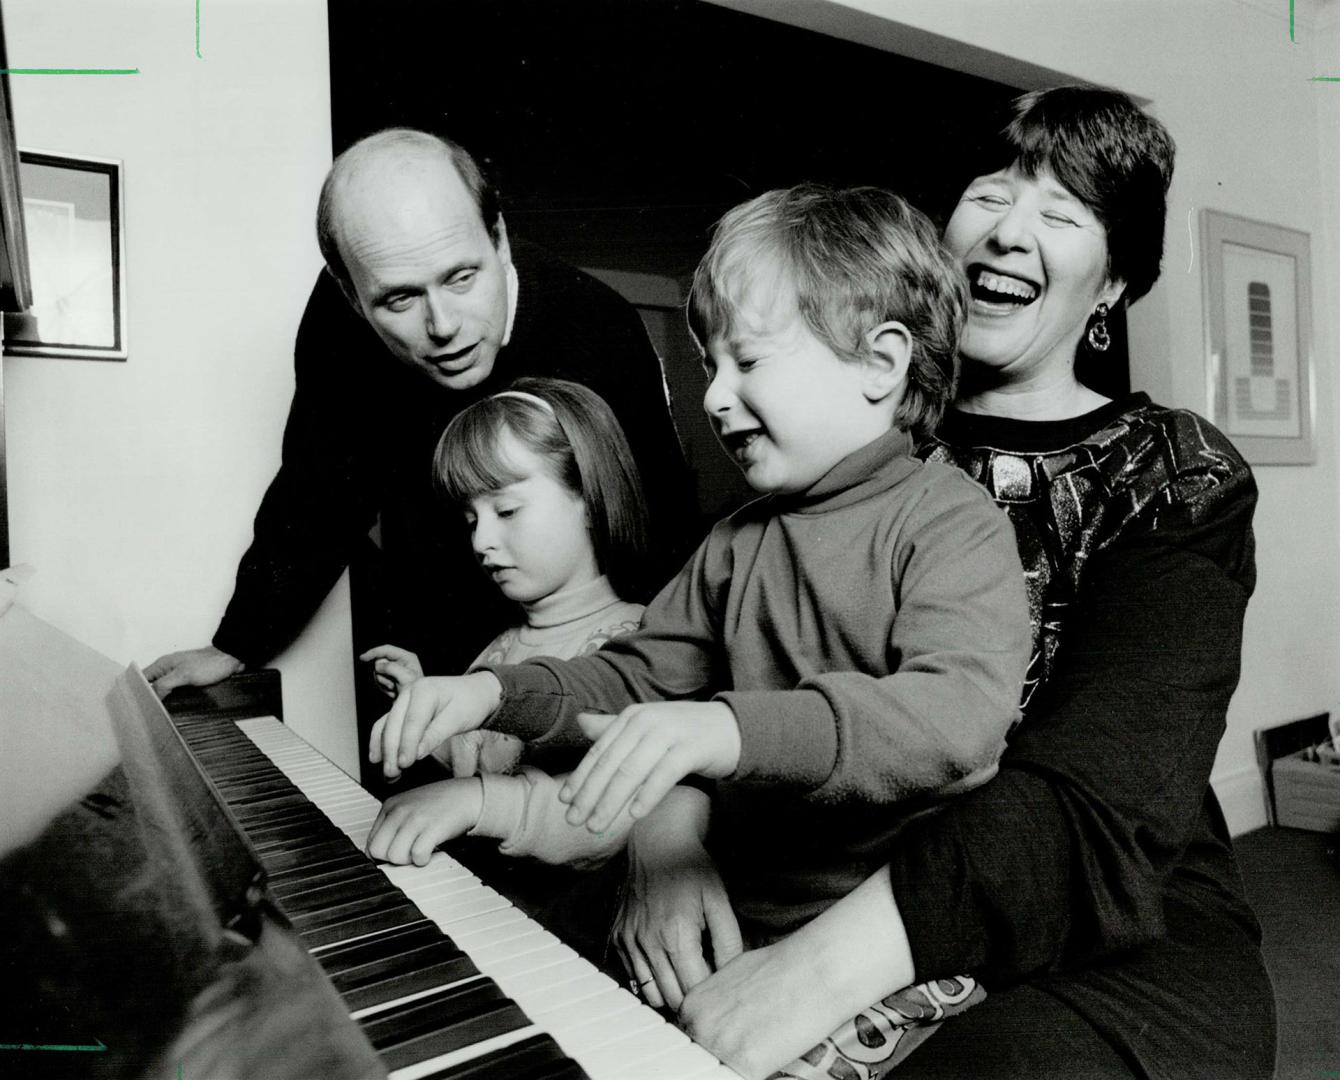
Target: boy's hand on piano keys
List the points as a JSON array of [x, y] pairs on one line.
[[412, 824], [192, 667], [639, 755], [428, 713]]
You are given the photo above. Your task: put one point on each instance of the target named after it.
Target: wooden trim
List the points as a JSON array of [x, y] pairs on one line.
[[251, 693]]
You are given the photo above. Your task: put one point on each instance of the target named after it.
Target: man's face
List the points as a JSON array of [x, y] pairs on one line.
[[426, 272]]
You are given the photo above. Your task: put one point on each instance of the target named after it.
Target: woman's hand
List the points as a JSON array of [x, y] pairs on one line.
[[431, 711], [673, 894], [768, 1006], [394, 668]]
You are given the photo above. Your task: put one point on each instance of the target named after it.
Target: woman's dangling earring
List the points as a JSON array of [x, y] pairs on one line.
[[1099, 338]]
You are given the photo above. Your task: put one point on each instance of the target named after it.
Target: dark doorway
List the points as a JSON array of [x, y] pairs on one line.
[[619, 131]]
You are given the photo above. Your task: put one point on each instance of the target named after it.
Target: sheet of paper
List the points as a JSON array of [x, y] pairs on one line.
[[56, 737]]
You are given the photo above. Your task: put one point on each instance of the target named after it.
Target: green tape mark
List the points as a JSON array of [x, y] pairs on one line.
[[1291, 37], [197, 29], [97, 1046], [1327, 78], [69, 71]]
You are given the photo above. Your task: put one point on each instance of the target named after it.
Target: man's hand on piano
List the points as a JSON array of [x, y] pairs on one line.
[[394, 668], [193, 667], [413, 823], [672, 895], [427, 714], [642, 753]]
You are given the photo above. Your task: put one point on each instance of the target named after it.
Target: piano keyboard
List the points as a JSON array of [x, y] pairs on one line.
[[507, 988]]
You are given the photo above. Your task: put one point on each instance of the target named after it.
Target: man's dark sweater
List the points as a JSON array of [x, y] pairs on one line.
[[358, 450]]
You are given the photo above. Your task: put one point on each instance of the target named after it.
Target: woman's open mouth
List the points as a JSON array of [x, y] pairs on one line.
[[1004, 292]]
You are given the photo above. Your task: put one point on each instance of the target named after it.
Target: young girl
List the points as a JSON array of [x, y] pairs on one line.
[[555, 508]]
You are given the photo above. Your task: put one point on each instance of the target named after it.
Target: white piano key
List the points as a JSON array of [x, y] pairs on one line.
[[437, 871], [445, 910], [491, 928], [648, 1053], [566, 983], [523, 948], [528, 960]]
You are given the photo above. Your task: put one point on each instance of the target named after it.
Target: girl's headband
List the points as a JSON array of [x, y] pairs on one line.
[[524, 396]]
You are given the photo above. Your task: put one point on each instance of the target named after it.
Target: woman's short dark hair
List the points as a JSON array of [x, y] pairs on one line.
[[572, 429], [1113, 156]]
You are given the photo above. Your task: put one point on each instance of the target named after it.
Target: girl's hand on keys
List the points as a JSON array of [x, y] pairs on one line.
[[412, 824], [394, 668]]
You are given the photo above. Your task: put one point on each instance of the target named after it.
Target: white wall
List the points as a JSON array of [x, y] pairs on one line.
[[132, 485], [1237, 96]]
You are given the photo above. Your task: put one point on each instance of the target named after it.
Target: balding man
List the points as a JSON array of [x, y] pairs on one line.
[[427, 306]]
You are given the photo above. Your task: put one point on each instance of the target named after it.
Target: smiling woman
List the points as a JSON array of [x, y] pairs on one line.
[[1037, 264]]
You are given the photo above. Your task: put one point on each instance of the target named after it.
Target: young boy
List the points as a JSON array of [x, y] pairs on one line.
[[839, 653]]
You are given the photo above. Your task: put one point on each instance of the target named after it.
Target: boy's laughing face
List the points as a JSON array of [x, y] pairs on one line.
[[785, 406]]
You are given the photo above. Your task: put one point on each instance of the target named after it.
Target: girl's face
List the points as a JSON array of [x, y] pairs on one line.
[[531, 536], [1036, 260]]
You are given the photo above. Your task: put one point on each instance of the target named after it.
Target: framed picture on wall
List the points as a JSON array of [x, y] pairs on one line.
[[1258, 312], [73, 216]]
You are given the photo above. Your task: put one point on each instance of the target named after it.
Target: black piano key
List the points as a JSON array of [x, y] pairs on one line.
[[295, 801], [324, 864], [299, 829], [438, 1023], [352, 976], [386, 944], [453, 969], [285, 812], [537, 1058], [264, 845], [360, 926], [303, 916], [410, 1019], [248, 773], [297, 883], [300, 855], [338, 895], [244, 792]]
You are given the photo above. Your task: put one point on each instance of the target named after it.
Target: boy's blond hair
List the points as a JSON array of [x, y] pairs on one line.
[[853, 258]]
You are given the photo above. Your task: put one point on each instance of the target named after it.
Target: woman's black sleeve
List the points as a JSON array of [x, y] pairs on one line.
[[1063, 857]]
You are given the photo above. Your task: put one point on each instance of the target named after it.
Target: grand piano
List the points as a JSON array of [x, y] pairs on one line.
[[185, 895]]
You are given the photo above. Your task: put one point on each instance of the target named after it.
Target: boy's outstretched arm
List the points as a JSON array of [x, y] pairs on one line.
[[427, 714], [643, 752]]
